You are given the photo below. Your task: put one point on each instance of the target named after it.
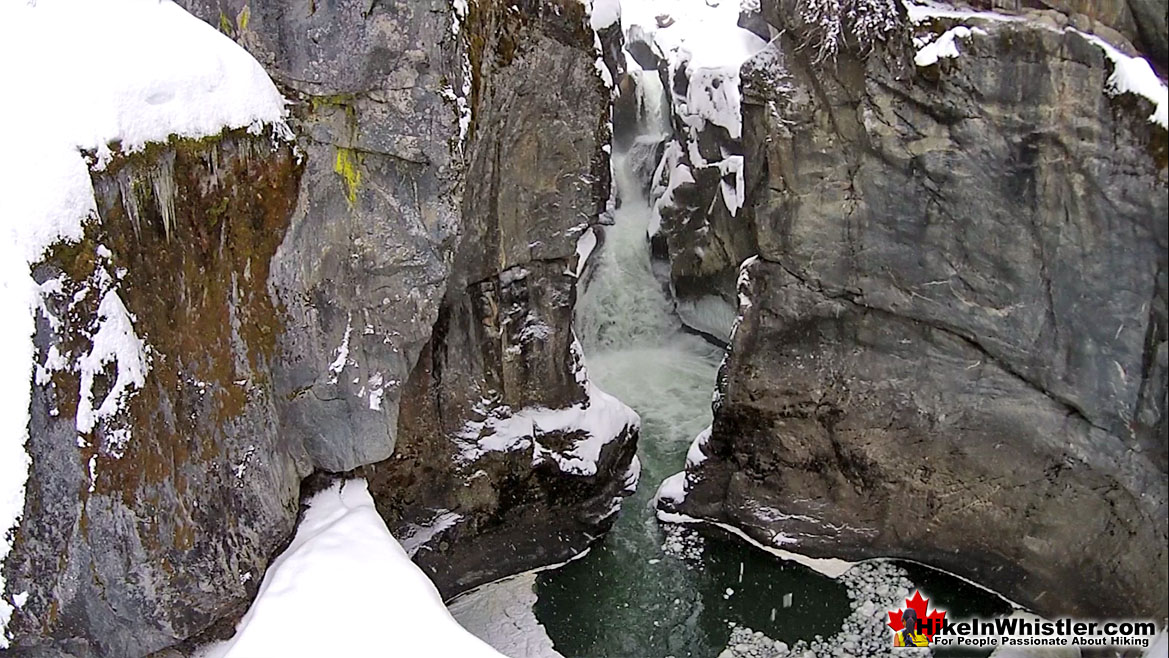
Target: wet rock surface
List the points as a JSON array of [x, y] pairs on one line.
[[952, 344]]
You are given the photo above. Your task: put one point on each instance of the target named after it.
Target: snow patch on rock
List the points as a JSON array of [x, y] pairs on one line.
[[944, 47], [672, 489], [1134, 75], [596, 421], [703, 42], [113, 342], [71, 93], [697, 453], [418, 537], [1130, 75]]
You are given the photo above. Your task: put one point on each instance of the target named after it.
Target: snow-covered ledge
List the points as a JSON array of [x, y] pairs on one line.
[[345, 587]]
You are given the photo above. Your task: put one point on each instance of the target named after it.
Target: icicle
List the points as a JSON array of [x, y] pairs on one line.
[[129, 201], [162, 180]]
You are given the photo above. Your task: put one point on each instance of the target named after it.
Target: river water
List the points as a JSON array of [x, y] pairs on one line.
[[649, 589], [629, 596]]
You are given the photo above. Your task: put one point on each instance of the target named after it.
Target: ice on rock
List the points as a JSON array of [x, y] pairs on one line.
[[195, 82]]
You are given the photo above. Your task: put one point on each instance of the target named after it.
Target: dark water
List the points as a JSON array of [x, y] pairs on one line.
[[958, 598], [618, 602], [628, 598]]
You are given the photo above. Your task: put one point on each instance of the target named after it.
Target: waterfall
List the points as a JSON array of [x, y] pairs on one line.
[[653, 113], [654, 128]]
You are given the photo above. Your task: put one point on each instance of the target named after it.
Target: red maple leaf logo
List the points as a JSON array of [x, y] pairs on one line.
[[931, 621]]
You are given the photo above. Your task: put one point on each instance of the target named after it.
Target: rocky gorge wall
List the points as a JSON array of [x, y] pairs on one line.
[[952, 343], [537, 178], [391, 297], [144, 526]]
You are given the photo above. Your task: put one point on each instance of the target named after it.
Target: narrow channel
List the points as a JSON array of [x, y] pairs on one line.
[[650, 589]]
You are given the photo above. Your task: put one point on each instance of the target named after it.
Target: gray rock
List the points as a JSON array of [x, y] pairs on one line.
[[288, 300], [954, 348], [371, 241], [131, 543], [537, 178]]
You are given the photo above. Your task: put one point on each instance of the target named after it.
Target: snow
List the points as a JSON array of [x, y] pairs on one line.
[[601, 418], [713, 96], [114, 342], [585, 245], [345, 587], [920, 12], [418, 536], [707, 31], [1134, 75], [696, 455], [501, 615], [944, 46], [1130, 75], [679, 175], [604, 13], [342, 353], [79, 87], [672, 489], [632, 475], [705, 41]]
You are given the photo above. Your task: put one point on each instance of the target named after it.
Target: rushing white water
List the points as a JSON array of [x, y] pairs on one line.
[[634, 344], [653, 110]]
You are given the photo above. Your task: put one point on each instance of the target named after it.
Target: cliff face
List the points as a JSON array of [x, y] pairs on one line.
[[143, 527], [952, 346], [474, 486], [394, 297]]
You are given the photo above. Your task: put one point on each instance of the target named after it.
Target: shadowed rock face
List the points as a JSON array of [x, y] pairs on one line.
[[536, 179], [352, 306], [953, 344]]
